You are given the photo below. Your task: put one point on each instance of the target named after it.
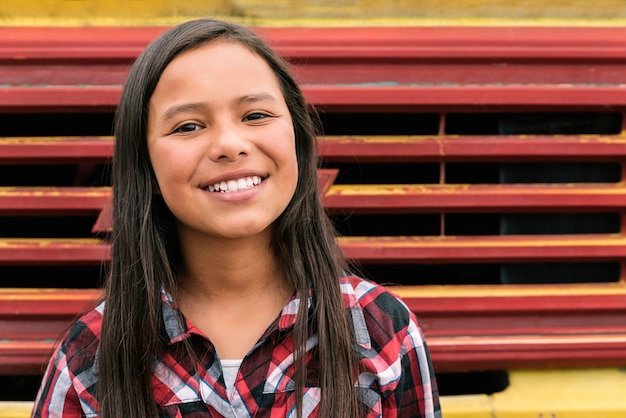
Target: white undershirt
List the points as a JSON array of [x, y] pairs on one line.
[[230, 368]]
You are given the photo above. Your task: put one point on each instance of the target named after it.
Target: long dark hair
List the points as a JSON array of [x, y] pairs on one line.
[[145, 256]]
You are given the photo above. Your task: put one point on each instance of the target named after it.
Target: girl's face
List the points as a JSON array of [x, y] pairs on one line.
[[221, 142]]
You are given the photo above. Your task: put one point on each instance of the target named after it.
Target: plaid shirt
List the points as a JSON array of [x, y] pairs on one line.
[[397, 378]]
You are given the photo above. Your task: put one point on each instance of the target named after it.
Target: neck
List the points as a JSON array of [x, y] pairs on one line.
[[230, 269], [232, 291]]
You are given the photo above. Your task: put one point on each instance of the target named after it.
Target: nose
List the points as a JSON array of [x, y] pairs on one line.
[[228, 143]]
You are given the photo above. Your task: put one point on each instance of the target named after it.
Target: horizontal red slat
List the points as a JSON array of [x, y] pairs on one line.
[[53, 200], [343, 97], [402, 148], [412, 198], [385, 250], [577, 298], [44, 302], [409, 198], [56, 98], [383, 71], [55, 251], [412, 96], [487, 249], [517, 352], [334, 42], [22, 150]]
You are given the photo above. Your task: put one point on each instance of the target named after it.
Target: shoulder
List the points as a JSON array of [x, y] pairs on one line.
[[383, 314], [68, 385], [373, 298], [80, 343]]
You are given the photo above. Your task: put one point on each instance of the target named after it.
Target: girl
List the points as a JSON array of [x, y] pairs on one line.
[[227, 293]]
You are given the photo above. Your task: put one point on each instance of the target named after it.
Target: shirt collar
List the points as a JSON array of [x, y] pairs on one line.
[[178, 329]]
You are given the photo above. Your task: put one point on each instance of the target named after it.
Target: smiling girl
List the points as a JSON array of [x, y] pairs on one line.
[[227, 294]]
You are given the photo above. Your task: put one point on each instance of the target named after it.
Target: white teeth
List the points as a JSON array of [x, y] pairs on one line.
[[235, 185]]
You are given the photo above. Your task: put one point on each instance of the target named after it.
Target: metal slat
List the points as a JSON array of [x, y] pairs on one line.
[[61, 149], [347, 97], [398, 148], [376, 250], [487, 249], [414, 198], [53, 251], [484, 148], [43, 302], [360, 199], [522, 351], [541, 43], [53, 200]]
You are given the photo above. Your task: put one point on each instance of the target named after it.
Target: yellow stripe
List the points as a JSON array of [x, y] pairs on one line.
[[15, 409], [563, 394], [466, 406], [316, 13]]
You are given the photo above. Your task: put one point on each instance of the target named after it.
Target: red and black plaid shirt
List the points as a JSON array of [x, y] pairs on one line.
[[397, 378]]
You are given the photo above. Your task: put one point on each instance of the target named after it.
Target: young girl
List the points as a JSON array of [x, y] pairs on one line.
[[227, 293]]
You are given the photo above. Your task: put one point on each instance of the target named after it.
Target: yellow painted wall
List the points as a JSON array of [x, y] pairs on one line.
[[316, 12]]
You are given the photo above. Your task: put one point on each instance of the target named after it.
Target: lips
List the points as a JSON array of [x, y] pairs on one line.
[[235, 185]]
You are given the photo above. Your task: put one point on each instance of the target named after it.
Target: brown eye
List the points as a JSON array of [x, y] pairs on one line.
[[187, 127], [255, 116]]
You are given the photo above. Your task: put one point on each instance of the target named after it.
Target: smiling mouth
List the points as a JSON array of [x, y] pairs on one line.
[[232, 186]]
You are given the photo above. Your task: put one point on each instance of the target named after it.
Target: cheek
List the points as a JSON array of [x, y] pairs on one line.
[[292, 168], [168, 167]]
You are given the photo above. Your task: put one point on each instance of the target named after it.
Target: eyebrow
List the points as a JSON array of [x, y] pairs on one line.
[[253, 98], [172, 111], [185, 107]]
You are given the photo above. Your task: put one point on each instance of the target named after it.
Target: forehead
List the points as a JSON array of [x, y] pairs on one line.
[[218, 55], [222, 67]]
